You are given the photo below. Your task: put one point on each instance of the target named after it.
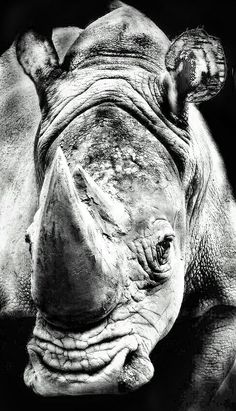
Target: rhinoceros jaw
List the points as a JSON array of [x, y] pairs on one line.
[[47, 383], [89, 363]]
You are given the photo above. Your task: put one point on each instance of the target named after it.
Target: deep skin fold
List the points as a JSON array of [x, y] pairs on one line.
[[201, 214]]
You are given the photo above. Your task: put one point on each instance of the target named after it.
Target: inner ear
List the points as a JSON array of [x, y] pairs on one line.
[[37, 55], [197, 68]]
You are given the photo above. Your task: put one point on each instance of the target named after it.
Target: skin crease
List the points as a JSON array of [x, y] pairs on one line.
[[141, 168]]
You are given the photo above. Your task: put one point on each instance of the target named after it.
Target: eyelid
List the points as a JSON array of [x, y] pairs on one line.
[[163, 227], [169, 237], [166, 237]]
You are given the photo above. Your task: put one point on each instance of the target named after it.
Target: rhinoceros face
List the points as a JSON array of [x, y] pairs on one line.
[[109, 242]]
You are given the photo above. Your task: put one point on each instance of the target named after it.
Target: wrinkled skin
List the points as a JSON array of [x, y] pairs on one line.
[[167, 241]]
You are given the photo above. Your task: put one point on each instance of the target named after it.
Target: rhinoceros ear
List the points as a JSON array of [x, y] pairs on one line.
[[37, 55], [116, 4], [197, 66]]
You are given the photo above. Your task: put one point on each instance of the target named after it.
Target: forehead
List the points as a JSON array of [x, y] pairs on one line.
[[123, 157], [124, 30]]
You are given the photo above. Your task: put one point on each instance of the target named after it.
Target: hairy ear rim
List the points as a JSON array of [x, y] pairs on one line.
[[197, 63]]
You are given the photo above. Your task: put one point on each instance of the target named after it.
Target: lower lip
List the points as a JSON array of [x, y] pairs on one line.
[[47, 381]]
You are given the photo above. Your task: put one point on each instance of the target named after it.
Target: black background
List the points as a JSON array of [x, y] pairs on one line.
[[219, 19]]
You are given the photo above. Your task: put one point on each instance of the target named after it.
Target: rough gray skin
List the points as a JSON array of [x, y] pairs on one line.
[[129, 217]]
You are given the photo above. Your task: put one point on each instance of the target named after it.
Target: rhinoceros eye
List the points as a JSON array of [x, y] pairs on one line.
[[153, 257], [163, 249]]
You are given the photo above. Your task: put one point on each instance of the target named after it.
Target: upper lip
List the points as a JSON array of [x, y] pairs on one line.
[[85, 351], [88, 360]]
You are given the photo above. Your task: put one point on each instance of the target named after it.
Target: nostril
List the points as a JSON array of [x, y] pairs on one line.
[[71, 323], [81, 320]]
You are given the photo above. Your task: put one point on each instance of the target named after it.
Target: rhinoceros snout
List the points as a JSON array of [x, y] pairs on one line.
[[77, 275]]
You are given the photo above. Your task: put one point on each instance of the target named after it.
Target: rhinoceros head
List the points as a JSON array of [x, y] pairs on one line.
[[110, 241]]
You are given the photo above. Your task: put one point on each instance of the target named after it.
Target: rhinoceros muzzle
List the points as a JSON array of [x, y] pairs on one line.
[[78, 277], [104, 359]]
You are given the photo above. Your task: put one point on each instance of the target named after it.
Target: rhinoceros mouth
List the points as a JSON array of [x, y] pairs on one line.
[[83, 364]]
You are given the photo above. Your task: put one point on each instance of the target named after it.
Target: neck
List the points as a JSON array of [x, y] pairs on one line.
[[211, 259]]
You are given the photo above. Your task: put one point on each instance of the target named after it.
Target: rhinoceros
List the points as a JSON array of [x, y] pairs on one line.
[[117, 220]]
